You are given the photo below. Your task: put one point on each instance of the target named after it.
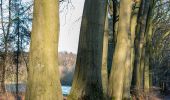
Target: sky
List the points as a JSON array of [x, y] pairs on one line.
[[70, 21]]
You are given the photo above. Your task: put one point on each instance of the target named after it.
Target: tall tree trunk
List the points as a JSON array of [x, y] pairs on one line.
[[130, 54], [147, 50], [119, 59], [5, 36], [139, 45], [134, 28], [104, 57], [43, 75], [2, 88], [87, 83]]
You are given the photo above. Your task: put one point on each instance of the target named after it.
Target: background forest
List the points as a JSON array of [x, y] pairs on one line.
[[123, 50]]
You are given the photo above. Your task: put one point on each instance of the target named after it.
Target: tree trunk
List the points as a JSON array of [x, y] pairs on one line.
[[146, 73], [139, 45], [127, 73], [3, 71], [130, 54], [104, 57], [5, 36], [87, 83], [148, 38], [134, 18], [43, 75], [119, 59]]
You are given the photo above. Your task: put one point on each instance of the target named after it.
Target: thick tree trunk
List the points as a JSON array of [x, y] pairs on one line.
[[43, 75], [87, 83], [130, 54], [119, 59]]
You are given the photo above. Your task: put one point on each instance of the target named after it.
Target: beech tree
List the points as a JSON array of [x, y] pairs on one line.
[[104, 70], [139, 45], [43, 74], [87, 81], [120, 54]]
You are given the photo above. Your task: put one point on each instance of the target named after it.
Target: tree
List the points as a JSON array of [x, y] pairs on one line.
[[134, 26], [148, 36], [43, 75], [9, 29], [104, 70], [120, 54], [87, 83], [139, 45], [6, 32], [130, 54]]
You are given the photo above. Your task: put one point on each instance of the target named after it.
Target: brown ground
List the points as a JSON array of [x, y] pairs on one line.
[[155, 94], [10, 96]]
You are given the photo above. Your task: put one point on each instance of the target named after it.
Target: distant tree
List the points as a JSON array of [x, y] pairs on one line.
[[5, 32], [9, 28]]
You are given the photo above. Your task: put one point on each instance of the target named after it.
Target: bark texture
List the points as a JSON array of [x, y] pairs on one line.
[[139, 45], [104, 58], [43, 75], [148, 38], [120, 54], [87, 82]]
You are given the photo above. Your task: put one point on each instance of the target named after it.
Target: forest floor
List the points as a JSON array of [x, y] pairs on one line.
[[158, 97], [153, 95], [165, 97]]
